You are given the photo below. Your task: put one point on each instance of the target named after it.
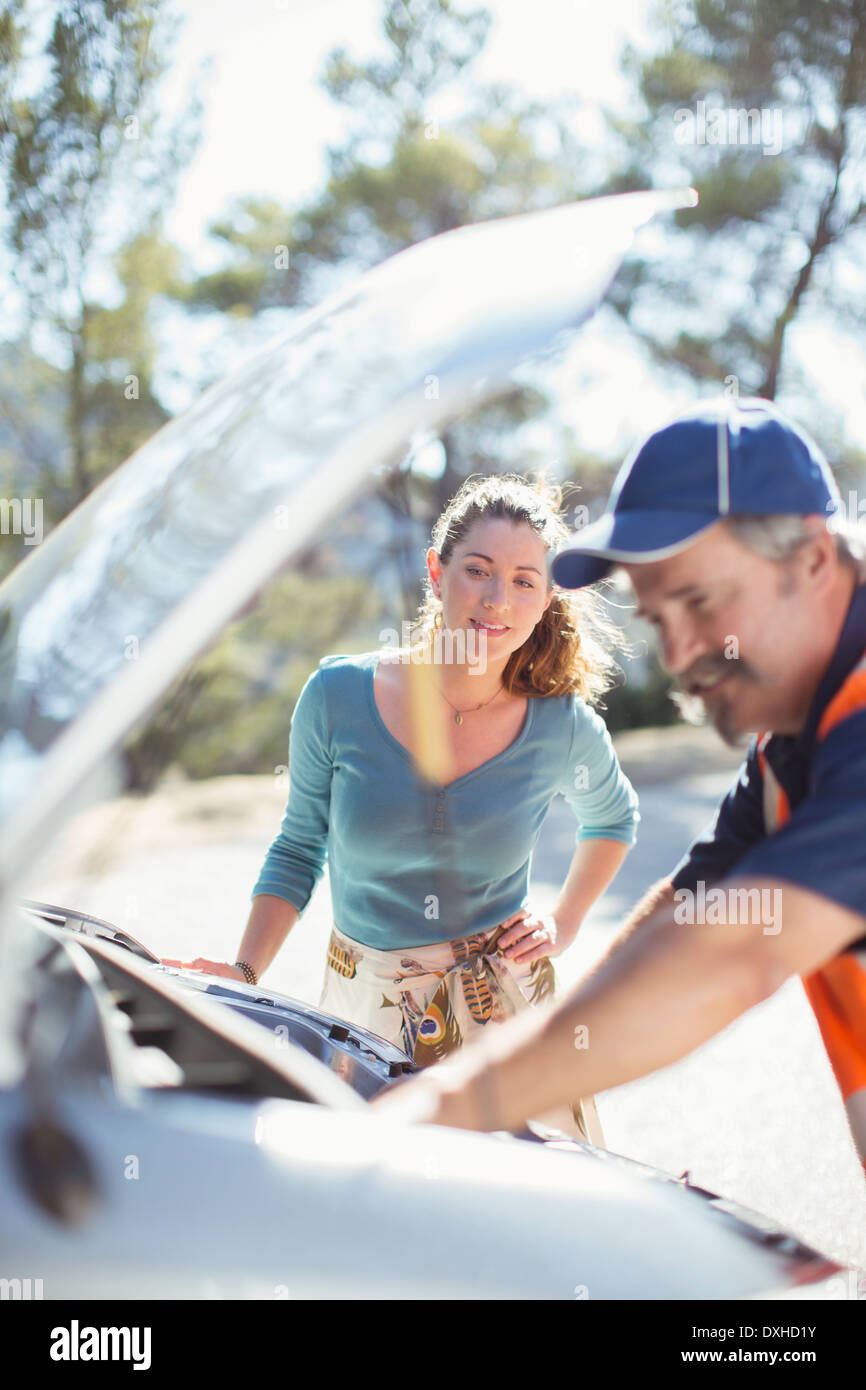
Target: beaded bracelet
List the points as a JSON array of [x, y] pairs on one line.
[[249, 974]]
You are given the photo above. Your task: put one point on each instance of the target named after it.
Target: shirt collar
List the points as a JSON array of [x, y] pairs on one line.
[[849, 650], [790, 755]]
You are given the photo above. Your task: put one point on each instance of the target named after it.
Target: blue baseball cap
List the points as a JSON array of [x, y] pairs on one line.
[[721, 457]]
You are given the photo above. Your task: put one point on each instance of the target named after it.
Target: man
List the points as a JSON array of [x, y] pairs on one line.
[[720, 521]]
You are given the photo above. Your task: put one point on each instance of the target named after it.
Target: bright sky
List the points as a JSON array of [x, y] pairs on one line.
[[267, 122]]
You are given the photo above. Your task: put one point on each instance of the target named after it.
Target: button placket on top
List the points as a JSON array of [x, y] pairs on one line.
[[439, 817]]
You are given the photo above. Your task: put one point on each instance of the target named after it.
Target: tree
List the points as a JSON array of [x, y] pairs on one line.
[[762, 107], [88, 165], [229, 712], [403, 174]]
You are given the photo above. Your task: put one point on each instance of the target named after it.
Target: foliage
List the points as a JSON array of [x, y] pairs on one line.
[[88, 165], [403, 174], [400, 176], [230, 711], [782, 213]]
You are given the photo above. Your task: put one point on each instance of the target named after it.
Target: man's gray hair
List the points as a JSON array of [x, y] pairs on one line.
[[780, 537]]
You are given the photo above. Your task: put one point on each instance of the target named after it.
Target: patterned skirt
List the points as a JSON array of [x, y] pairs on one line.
[[429, 1000]]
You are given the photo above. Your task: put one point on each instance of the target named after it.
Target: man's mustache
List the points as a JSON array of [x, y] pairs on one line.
[[709, 668]]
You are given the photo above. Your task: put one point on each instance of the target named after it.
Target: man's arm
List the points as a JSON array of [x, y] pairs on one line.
[[659, 895], [664, 988]]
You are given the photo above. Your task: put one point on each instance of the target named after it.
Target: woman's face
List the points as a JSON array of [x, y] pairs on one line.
[[495, 582]]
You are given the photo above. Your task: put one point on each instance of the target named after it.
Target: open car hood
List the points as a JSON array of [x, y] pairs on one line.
[[142, 576]]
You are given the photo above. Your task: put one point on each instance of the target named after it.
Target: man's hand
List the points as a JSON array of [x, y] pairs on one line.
[[207, 967], [465, 1091], [434, 1098], [419, 1101]]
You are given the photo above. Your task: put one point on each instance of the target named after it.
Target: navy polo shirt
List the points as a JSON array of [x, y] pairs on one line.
[[822, 846]]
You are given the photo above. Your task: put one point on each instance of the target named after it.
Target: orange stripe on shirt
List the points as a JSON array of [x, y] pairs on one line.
[[837, 994], [847, 701]]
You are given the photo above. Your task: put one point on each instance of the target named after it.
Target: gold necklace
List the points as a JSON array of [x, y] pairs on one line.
[[458, 714]]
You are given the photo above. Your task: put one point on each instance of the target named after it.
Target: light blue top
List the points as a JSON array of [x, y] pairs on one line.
[[409, 863]]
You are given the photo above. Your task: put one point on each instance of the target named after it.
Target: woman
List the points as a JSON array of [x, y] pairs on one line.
[[425, 775]]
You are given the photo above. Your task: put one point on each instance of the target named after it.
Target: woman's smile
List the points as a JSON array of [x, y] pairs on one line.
[[494, 628]]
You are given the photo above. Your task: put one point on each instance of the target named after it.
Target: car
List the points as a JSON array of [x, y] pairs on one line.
[[142, 1105]]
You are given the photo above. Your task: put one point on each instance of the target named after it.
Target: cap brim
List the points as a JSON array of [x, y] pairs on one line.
[[629, 538]]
